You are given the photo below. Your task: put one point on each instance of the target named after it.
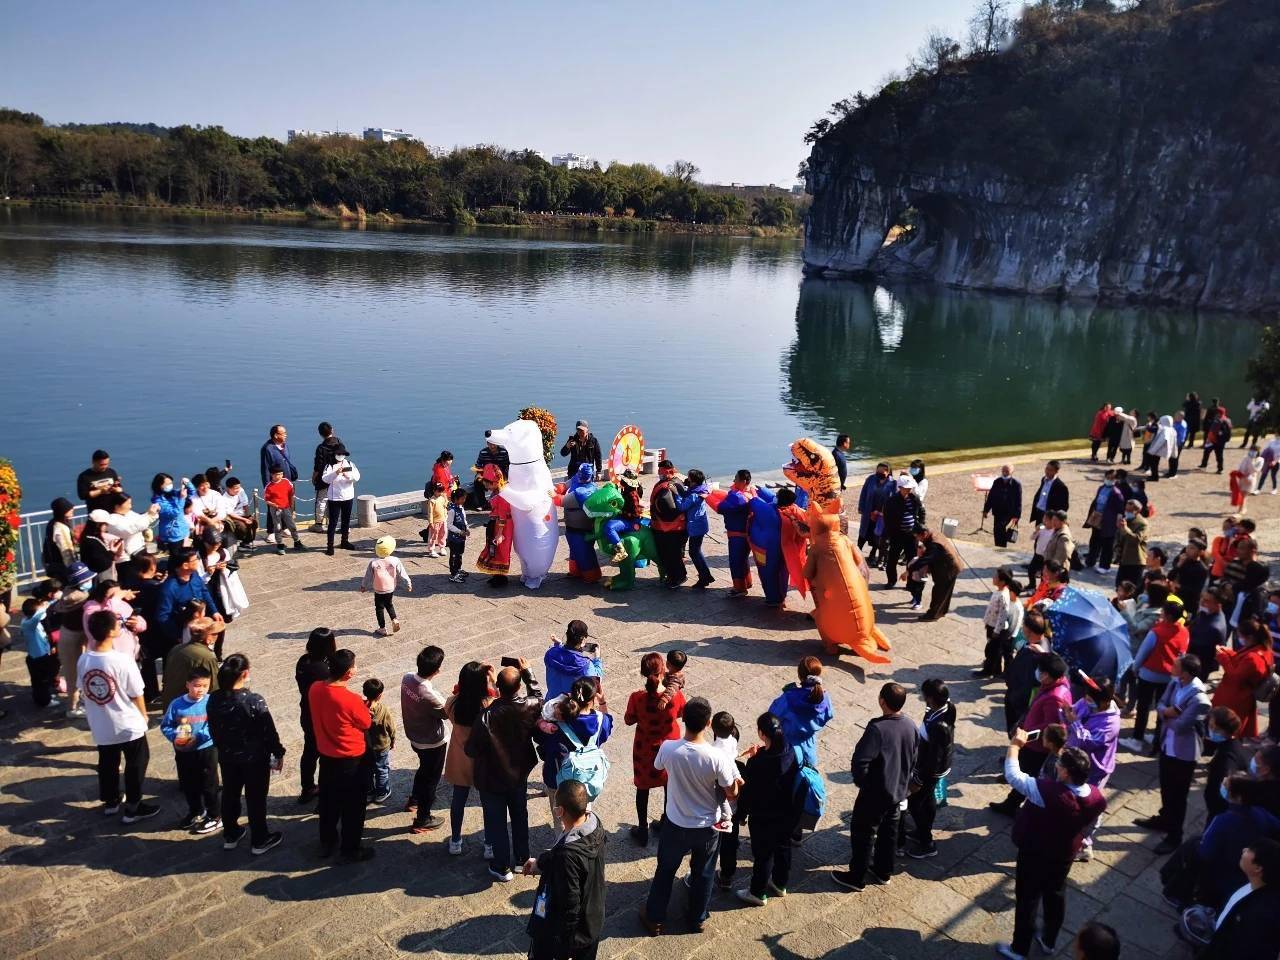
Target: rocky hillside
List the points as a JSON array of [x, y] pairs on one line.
[[1118, 155]]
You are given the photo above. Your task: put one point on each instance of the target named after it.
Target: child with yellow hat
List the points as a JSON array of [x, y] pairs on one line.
[[381, 575]]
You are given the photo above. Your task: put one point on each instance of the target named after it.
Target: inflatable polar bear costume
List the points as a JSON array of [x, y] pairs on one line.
[[528, 491]]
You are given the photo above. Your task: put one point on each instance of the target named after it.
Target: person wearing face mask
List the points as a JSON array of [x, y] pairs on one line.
[[1131, 543], [1049, 697], [903, 515], [1271, 613], [1102, 521], [1093, 727], [1208, 628], [170, 500], [1229, 758], [1157, 660], [1189, 572], [876, 491], [1004, 503], [916, 471], [933, 764], [1243, 671], [1048, 833], [1182, 707]]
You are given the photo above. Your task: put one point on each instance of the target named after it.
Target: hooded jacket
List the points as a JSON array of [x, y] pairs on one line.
[[1096, 732], [694, 505], [326, 456], [1046, 708], [565, 666], [937, 743], [1165, 441], [802, 719], [554, 747], [571, 879]]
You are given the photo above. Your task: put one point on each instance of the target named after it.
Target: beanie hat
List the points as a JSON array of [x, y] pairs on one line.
[[384, 546]]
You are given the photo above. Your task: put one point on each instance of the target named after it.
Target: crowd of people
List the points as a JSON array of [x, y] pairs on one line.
[[134, 614]]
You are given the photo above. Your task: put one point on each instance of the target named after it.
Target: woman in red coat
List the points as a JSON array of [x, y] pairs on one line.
[[1242, 671], [655, 712], [1098, 432]]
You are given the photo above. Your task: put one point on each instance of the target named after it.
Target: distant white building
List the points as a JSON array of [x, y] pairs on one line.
[[573, 161], [317, 134], [386, 134]]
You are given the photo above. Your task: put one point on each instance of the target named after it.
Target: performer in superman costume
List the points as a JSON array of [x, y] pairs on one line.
[[735, 508], [579, 529], [764, 536]]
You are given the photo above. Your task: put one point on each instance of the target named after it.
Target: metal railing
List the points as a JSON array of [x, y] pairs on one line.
[[31, 528]]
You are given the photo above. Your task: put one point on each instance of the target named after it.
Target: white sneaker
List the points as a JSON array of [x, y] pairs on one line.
[[76, 713], [504, 877], [746, 896], [455, 847], [1005, 950]]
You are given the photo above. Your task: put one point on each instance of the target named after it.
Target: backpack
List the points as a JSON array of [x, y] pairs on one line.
[[1267, 687], [811, 792], [585, 763]]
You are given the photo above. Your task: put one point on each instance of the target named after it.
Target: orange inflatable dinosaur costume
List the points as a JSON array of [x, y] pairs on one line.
[[843, 610]]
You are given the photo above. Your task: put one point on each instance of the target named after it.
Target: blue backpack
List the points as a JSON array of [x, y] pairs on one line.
[[586, 762], [811, 792]]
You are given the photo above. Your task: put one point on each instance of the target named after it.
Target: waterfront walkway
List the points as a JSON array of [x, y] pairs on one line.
[[78, 885]]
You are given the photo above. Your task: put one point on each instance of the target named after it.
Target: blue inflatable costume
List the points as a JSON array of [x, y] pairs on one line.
[[579, 529]]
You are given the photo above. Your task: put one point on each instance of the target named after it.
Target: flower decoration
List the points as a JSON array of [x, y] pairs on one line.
[[10, 521], [546, 421]]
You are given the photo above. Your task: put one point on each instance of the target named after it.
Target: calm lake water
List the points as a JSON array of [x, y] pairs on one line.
[[175, 344]]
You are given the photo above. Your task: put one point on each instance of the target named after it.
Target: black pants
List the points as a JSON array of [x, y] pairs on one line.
[[344, 788], [940, 597], [1131, 572], [729, 852], [253, 780], [1126, 456], [155, 646], [1216, 450], [1152, 463], [1252, 431], [1102, 547], [1093, 448], [339, 513], [43, 672], [998, 653], [1173, 465], [1148, 693], [1175, 784], [198, 779], [874, 827], [1180, 874], [136, 757], [549, 948], [384, 602], [1038, 881], [427, 779], [1001, 532], [455, 556], [770, 854], [310, 754], [923, 807], [1112, 444], [670, 546], [900, 544]]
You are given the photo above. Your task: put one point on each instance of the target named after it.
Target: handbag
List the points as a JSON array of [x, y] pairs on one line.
[[1012, 535], [1094, 522]]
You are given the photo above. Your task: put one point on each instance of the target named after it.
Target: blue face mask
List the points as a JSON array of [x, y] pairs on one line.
[[1129, 514], [1222, 789], [1273, 608], [1253, 766], [1217, 736], [915, 471], [1108, 483], [167, 488]]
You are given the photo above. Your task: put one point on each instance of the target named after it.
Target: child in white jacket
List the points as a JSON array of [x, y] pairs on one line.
[[381, 575]]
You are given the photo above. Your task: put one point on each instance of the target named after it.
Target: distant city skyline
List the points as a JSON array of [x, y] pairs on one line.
[[730, 87]]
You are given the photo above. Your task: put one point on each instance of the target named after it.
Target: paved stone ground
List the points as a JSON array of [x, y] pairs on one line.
[[77, 885]]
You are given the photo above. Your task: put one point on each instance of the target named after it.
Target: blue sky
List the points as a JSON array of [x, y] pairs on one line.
[[730, 86]]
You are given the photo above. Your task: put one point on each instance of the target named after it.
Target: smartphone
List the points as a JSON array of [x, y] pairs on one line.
[[228, 462], [1033, 735], [510, 662], [592, 647]]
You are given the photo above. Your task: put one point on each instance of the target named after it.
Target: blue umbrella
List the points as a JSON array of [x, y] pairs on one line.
[[1089, 633]]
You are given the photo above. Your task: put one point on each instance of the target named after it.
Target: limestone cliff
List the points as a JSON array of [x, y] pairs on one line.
[[1125, 156]]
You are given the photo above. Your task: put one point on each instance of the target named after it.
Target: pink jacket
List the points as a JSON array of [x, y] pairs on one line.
[[125, 642], [1046, 708]]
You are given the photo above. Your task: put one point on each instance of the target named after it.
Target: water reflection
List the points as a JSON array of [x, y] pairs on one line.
[[920, 368]]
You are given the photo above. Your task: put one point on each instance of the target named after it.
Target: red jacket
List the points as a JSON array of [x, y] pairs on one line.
[[1100, 420], [1242, 671], [340, 719], [1171, 643]]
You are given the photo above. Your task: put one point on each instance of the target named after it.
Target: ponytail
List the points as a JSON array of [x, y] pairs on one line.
[[231, 670]]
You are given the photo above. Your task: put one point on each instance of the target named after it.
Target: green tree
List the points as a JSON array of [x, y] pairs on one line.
[[1263, 372]]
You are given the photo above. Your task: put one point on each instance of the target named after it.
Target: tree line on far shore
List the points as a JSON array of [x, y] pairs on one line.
[[208, 167]]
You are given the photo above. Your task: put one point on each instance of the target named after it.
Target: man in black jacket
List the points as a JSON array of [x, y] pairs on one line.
[[933, 762], [582, 447], [903, 514], [670, 528], [1004, 502], [501, 743], [1246, 927], [883, 763], [326, 456], [568, 909], [1052, 494]]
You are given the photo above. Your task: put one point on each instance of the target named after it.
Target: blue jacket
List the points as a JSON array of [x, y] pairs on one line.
[[1180, 428], [565, 666], [196, 713], [734, 509], [34, 633], [875, 493], [174, 595], [273, 456], [172, 526], [802, 719], [694, 506], [842, 465], [554, 747]]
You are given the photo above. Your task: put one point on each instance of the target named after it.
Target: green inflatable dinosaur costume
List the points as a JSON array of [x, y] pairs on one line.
[[636, 541]]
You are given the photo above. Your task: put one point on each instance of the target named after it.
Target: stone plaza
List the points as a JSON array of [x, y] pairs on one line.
[[79, 885]]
